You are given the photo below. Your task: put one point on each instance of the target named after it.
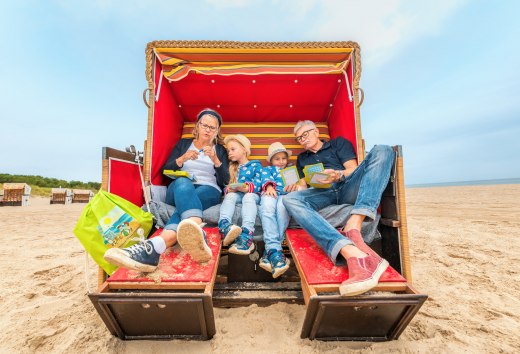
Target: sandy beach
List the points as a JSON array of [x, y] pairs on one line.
[[464, 246]]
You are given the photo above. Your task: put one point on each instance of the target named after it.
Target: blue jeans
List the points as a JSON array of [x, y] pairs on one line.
[[249, 202], [189, 200], [363, 189], [275, 220]]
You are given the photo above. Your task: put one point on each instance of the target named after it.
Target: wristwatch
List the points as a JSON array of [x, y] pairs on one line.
[[341, 176]]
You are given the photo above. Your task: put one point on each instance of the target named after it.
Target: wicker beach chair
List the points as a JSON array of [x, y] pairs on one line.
[[61, 196], [261, 89], [16, 194], [82, 195]]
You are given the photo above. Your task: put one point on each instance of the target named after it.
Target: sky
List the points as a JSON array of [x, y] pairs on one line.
[[441, 78]]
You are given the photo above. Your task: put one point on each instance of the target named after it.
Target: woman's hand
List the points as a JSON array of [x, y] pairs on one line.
[[209, 151], [188, 155], [271, 192]]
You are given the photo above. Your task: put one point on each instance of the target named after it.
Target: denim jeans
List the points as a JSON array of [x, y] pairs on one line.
[[249, 208], [189, 200], [363, 189], [275, 220]]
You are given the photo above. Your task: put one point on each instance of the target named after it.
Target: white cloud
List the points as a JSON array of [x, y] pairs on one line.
[[382, 28]]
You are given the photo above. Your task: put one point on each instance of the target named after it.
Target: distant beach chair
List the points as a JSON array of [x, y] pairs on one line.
[[61, 196], [81, 195], [16, 194]]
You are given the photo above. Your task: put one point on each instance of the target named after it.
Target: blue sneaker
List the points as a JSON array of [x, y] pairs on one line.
[[264, 263], [141, 257], [243, 244], [229, 231], [192, 239], [279, 263]]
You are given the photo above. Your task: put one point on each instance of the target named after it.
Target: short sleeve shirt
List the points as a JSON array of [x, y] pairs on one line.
[[333, 154]]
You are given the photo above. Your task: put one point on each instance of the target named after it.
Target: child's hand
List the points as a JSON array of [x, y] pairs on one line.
[[244, 189], [271, 192], [293, 187]]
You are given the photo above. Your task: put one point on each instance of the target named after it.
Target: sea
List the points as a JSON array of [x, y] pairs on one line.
[[466, 183]]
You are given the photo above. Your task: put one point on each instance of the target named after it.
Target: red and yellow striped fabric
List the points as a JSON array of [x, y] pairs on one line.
[[177, 63]]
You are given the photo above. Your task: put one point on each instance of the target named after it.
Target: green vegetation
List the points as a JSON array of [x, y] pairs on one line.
[[41, 186]]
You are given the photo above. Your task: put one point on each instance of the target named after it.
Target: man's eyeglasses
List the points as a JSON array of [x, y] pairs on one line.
[[304, 135], [207, 127]]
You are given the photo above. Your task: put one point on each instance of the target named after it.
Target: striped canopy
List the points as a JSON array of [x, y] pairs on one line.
[[177, 63]]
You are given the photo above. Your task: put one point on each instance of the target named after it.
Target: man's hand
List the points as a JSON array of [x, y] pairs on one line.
[[270, 191], [334, 176]]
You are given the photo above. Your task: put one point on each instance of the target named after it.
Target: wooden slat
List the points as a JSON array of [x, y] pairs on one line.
[[158, 286], [390, 222], [403, 229]]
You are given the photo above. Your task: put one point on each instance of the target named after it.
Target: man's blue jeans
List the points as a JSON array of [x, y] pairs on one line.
[[189, 200], [363, 189], [249, 208], [275, 220]]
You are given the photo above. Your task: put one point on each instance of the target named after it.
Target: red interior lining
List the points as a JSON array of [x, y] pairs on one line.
[[125, 181]]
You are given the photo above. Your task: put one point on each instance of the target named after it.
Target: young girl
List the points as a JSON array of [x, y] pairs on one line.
[[245, 172], [274, 216]]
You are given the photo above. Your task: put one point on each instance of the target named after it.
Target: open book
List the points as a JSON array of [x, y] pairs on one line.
[[176, 174]]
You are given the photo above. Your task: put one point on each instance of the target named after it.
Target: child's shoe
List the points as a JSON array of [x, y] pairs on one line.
[[228, 231], [244, 243], [279, 263], [264, 262], [192, 239]]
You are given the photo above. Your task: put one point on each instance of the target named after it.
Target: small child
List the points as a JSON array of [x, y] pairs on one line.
[[241, 170], [274, 216]]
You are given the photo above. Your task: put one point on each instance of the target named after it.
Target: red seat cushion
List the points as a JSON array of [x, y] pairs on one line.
[[176, 265], [317, 266]]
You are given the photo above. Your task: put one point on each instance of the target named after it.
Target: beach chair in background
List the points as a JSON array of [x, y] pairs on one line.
[[16, 194], [261, 90], [82, 195], [61, 196]]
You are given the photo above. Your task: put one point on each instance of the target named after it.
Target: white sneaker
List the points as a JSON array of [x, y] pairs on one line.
[[192, 239]]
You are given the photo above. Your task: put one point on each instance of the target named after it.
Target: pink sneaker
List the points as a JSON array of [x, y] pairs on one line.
[[355, 236], [363, 273]]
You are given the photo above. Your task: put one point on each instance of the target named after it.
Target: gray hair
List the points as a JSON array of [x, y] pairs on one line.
[[301, 123]]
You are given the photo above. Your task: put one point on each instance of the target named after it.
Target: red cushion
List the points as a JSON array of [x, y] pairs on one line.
[[176, 265], [317, 266]]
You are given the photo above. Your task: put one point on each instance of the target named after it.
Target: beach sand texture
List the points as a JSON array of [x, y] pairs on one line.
[[465, 256]]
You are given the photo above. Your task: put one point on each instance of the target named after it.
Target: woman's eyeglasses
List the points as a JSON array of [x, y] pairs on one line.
[[304, 135], [207, 127]]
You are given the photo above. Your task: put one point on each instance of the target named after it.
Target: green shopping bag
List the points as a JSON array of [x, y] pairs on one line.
[[110, 221]]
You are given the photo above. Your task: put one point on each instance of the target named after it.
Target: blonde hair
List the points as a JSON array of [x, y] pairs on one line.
[[233, 171], [233, 165]]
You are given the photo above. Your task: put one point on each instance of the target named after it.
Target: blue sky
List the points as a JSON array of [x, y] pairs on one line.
[[440, 78]]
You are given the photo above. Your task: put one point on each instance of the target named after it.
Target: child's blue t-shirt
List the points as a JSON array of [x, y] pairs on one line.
[[249, 173], [271, 176]]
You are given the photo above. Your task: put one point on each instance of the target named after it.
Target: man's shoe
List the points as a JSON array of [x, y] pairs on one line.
[[243, 245], [356, 237], [141, 257], [279, 263], [265, 263], [229, 232], [363, 273], [192, 239]]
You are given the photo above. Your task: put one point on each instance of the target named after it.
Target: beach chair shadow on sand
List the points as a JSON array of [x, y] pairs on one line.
[[263, 102]]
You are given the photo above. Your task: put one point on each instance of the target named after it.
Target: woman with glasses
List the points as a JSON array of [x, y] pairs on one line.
[[205, 160]]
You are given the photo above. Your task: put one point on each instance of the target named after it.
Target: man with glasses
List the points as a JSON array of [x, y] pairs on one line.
[[359, 185]]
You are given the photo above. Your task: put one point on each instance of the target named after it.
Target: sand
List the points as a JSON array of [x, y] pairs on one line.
[[464, 256]]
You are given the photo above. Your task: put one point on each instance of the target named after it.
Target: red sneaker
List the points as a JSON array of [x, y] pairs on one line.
[[355, 236], [363, 275]]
